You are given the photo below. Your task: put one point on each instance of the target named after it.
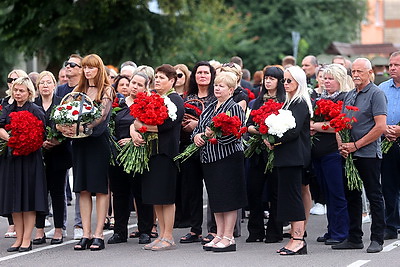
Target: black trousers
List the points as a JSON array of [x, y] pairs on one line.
[[255, 188], [369, 169], [122, 186], [56, 186]]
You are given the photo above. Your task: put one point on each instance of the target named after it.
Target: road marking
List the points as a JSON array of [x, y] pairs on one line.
[[16, 255], [358, 263], [391, 246]]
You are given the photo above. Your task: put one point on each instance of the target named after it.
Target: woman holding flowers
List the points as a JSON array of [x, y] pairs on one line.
[[159, 182], [91, 155], [122, 183], [57, 158], [292, 154], [223, 163], [22, 180], [326, 159], [272, 88]]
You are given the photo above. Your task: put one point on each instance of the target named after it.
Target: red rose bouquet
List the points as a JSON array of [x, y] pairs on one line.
[[343, 123], [222, 125], [153, 110], [256, 144], [325, 110], [26, 133]]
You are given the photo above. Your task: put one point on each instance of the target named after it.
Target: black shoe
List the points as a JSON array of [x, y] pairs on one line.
[[388, 236], [254, 239], [321, 239], [97, 242], [189, 238], [57, 241], [331, 241], [144, 239], [12, 249], [83, 243], [287, 235], [270, 240], [302, 251], [39, 241], [207, 238], [22, 249], [346, 244], [116, 239], [374, 247]]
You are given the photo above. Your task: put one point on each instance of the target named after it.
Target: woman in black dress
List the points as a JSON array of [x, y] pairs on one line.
[[57, 158], [22, 179], [292, 155], [159, 183], [272, 88], [91, 155], [223, 164]]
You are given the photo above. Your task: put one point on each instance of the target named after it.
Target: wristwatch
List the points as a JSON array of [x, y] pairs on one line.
[[87, 130]]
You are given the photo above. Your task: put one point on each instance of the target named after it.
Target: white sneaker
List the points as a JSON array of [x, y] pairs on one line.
[[366, 219], [78, 233], [50, 234], [47, 223], [318, 209], [287, 227]]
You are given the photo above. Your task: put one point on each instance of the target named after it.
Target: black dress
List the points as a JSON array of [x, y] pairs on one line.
[[90, 160], [22, 178]]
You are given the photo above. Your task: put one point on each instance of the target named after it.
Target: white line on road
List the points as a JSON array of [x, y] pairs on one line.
[[391, 246], [53, 246], [358, 263]]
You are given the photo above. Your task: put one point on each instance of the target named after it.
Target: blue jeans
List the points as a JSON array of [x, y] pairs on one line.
[[329, 172]]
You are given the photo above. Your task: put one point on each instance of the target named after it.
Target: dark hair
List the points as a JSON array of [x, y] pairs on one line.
[[169, 71], [118, 78], [280, 90], [193, 87]]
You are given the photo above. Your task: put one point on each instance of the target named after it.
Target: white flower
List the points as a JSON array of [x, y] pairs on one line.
[[172, 109], [281, 123]]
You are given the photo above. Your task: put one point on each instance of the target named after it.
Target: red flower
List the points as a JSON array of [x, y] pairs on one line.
[[353, 108], [263, 129], [259, 115], [325, 110], [75, 112], [149, 109], [115, 102], [143, 129], [213, 141], [69, 107], [325, 127], [196, 109]]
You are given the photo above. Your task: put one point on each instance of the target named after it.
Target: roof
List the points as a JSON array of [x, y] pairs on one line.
[[346, 49]]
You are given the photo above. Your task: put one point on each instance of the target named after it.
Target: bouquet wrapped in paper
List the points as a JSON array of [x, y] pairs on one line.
[[75, 108]]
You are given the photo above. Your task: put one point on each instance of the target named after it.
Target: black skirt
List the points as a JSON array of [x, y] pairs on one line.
[[159, 183], [91, 158], [225, 183]]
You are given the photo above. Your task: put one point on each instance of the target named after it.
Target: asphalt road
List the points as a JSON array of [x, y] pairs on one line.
[[254, 254]]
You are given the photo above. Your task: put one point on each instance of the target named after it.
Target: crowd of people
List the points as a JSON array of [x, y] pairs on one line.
[[168, 194]]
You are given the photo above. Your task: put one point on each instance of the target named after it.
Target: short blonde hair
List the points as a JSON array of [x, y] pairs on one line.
[[20, 73], [28, 84], [45, 73], [229, 78], [339, 74]]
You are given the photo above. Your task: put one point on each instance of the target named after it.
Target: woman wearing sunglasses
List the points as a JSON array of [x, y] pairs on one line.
[[11, 77], [182, 84], [292, 155]]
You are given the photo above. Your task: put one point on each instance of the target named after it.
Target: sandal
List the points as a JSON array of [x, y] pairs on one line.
[[112, 223], [152, 244], [98, 243], [208, 246], [154, 234], [190, 238], [220, 247], [106, 224], [300, 251], [10, 235], [134, 234], [164, 244], [83, 244], [207, 238]]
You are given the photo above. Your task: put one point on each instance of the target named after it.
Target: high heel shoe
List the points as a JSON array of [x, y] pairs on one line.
[[12, 249], [83, 244], [40, 240], [208, 246], [301, 251], [22, 249], [98, 243], [219, 247]]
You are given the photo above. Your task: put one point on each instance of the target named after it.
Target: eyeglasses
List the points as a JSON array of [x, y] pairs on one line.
[[286, 80], [72, 64], [11, 80], [230, 65], [46, 82], [180, 75], [112, 77]]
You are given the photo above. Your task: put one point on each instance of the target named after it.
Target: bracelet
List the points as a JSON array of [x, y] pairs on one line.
[[355, 145]]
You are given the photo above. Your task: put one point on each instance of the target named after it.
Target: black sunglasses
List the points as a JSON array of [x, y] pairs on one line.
[[72, 64], [286, 80], [180, 75], [11, 80]]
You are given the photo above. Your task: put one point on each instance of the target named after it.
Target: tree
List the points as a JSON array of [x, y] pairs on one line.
[[319, 22]]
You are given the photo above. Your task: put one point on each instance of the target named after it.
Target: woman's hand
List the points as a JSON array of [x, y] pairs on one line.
[[138, 124], [198, 140], [137, 138], [189, 125], [67, 130], [209, 133], [251, 129], [50, 143], [268, 144], [124, 141]]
